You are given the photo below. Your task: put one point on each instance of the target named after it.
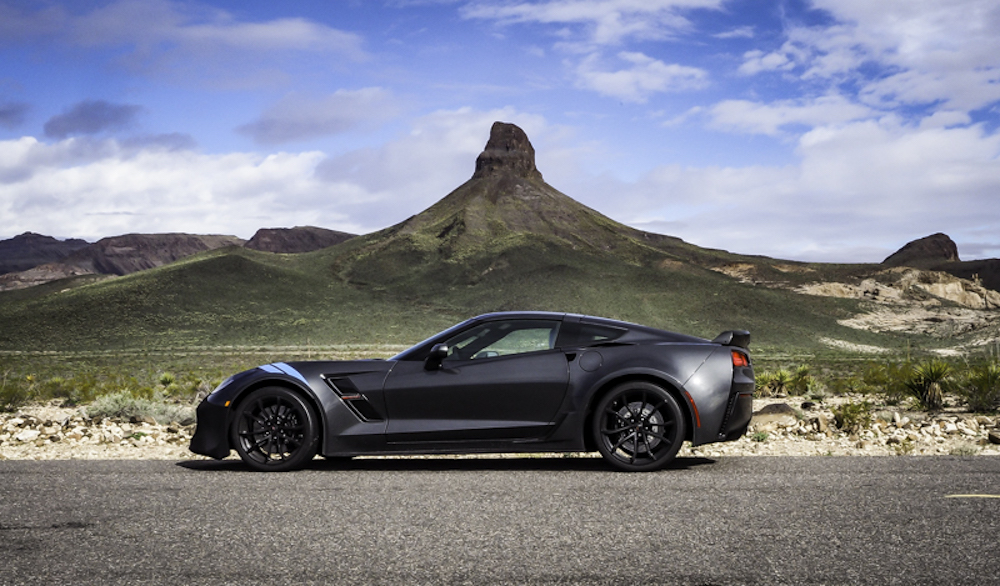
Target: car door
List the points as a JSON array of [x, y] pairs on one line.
[[501, 380]]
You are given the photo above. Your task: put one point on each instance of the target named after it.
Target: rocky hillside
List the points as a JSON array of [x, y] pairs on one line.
[[29, 250], [295, 240], [119, 255]]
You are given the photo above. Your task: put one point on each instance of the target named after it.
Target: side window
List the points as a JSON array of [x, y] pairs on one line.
[[503, 338]]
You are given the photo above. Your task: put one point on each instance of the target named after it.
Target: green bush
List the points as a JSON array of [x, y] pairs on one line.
[[981, 388], [13, 394], [852, 417]]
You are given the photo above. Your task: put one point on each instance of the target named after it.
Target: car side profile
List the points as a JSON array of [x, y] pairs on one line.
[[500, 382]]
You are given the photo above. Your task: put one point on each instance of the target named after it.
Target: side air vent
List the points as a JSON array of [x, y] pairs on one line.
[[353, 398]]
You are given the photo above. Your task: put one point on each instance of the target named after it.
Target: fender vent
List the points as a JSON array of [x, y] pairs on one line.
[[353, 398]]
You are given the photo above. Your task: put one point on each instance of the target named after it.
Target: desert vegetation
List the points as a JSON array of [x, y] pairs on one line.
[[930, 384]]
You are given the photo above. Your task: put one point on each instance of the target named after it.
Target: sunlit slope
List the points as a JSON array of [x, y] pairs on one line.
[[241, 297]]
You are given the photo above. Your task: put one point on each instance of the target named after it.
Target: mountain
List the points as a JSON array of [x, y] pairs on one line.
[[30, 250], [295, 240], [504, 239], [928, 251], [938, 252], [118, 255]]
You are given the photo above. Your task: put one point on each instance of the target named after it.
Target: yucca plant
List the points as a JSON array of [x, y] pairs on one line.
[[927, 384], [770, 384], [981, 390], [801, 382]]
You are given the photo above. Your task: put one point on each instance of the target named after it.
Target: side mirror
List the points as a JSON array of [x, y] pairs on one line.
[[438, 353]]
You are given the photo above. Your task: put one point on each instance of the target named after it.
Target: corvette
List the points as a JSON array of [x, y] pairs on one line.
[[500, 382]]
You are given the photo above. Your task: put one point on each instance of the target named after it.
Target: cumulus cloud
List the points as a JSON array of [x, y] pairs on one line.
[[773, 118], [643, 77], [298, 117], [858, 191], [92, 189], [91, 117]]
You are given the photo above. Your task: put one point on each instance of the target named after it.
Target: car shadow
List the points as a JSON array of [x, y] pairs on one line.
[[423, 464]]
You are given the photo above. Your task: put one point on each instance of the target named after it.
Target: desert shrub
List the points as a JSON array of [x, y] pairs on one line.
[[886, 379], [981, 388], [801, 382], [14, 393], [927, 384], [852, 417], [770, 384], [127, 405]]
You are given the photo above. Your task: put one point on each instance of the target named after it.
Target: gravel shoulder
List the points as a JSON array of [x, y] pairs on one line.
[[781, 427]]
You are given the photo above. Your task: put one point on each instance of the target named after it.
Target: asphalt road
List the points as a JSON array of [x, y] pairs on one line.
[[819, 520]]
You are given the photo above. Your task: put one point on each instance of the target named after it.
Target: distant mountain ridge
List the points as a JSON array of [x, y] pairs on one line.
[[43, 259], [294, 240], [29, 250]]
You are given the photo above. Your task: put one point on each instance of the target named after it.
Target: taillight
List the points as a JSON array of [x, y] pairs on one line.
[[740, 359]]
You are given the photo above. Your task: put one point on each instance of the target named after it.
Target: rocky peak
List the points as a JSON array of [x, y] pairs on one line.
[[294, 240], [933, 249], [507, 152]]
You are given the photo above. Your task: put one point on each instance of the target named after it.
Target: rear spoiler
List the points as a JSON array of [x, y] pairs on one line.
[[739, 338]]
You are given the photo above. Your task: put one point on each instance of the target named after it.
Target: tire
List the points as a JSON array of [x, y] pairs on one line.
[[275, 430], [638, 427]]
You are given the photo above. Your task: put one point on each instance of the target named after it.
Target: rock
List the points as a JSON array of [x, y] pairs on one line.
[[994, 437], [508, 151], [779, 414], [27, 435]]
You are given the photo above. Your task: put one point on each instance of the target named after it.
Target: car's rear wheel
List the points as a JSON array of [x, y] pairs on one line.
[[275, 430], [639, 426]]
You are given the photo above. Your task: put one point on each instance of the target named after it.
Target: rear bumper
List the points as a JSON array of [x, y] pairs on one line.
[[211, 436], [739, 411]]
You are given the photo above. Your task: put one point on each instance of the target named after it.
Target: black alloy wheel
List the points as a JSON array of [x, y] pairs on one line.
[[275, 430], [638, 426]]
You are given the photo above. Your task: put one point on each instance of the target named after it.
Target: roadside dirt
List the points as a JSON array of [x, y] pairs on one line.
[[795, 428]]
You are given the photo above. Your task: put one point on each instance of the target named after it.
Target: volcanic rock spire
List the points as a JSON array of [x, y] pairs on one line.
[[507, 151]]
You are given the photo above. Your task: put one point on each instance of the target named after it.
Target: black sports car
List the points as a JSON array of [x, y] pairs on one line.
[[501, 382]]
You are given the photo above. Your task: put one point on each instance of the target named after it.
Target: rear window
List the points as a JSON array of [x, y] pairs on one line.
[[593, 334]]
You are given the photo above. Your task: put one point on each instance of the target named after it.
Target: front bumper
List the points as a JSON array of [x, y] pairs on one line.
[[211, 437]]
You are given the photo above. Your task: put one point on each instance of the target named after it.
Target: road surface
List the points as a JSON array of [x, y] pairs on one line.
[[739, 520]]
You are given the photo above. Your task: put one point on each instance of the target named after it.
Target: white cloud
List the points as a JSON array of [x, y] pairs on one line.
[[925, 52], [858, 191], [299, 117], [643, 77], [775, 118], [606, 21], [93, 189]]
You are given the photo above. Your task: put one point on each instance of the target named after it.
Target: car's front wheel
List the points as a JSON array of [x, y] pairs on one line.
[[275, 430], [639, 426]]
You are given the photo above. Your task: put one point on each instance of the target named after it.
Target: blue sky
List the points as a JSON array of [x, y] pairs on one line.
[[825, 130]]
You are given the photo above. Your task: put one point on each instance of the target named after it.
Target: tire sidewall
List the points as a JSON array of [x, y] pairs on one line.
[[670, 403], [310, 442]]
